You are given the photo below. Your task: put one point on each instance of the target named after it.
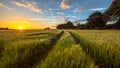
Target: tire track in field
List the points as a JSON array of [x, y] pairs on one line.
[[1, 47], [37, 56], [80, 43], [102, 60], [67, 54]]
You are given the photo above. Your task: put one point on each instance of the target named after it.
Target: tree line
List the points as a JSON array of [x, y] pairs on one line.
[[4, 28], [98, 20]]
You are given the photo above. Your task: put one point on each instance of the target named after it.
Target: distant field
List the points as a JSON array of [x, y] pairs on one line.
[[59, 49]]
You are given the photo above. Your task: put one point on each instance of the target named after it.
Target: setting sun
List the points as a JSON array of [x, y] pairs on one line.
[[21, 28]]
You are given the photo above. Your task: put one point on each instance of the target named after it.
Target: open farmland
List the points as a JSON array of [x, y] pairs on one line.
[[60, 49]]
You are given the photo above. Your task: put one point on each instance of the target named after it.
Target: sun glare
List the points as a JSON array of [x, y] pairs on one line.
[[21, 28]]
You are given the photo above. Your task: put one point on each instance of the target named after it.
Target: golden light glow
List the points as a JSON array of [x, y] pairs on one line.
[[22, 24], [21, 28]]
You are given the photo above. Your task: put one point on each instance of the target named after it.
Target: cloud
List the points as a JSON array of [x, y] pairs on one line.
[[70, 17], [19, 4], [61, 13], [77, 21], [66, 4], [51, 9], [42, 19], [81, 10], [5, 6], [78, 10], [97, 9], [64, 20], [80, 21], [1, 5], [29, 5]]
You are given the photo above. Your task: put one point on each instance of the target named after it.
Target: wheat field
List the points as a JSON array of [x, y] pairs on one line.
[[60, 49]]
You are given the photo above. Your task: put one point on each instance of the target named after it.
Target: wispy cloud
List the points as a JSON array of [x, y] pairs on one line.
[[97, 9], [64, 20], [1, 4], [78, 10], [81, 9], [42, 19], [51, 9], [79, 21], [5, 6], [66, 4], [29, 5], [61, 13]]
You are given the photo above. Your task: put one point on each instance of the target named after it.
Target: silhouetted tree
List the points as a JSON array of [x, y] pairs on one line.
[[95, 21], [80, 26], [68, 25], [61, 26], [4, 28], [113, 12], [47, 28]]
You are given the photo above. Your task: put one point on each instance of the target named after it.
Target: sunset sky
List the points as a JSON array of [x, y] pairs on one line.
[[36, 14]]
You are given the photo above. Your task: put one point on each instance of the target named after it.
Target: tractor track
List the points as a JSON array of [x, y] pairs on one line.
[[32, 60], [78, 42]]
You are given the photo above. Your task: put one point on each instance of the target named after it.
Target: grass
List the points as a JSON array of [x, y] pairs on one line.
[[58, 49], [11, 36], [67, 54], [107, 56], [22, 54]]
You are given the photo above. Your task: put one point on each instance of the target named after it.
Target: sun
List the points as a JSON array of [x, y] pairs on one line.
[[21, 28]]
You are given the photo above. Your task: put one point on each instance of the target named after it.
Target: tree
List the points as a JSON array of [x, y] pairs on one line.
[[68, 25], [113, 12], [61, 26], [80, 26], [95, 20], [47, 28]]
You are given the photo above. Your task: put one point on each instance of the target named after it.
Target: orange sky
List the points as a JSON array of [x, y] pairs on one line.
[[17, 23]]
